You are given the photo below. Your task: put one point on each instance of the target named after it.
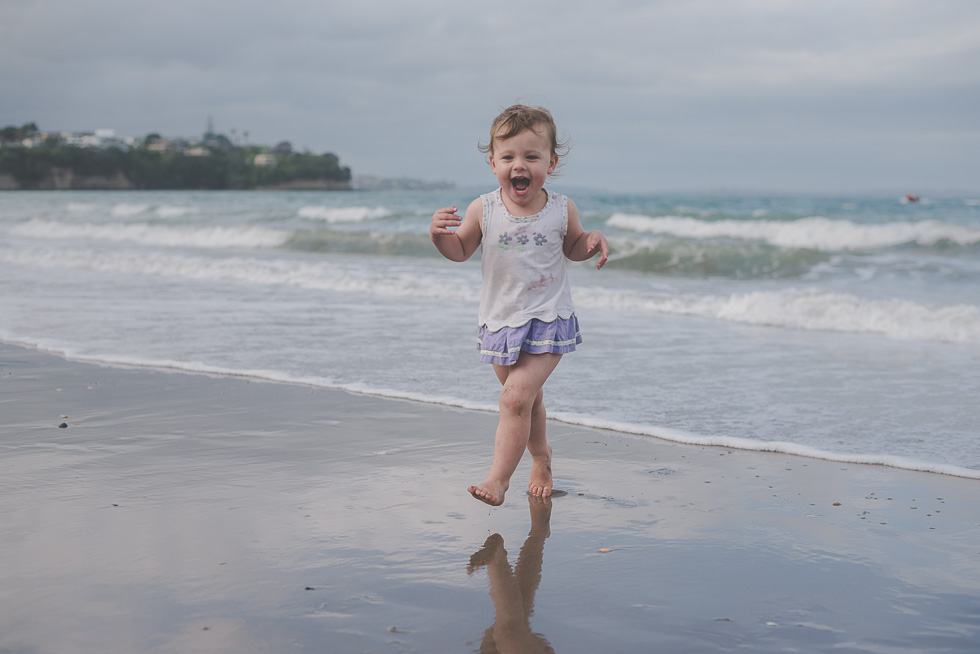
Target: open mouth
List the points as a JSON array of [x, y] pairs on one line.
[[520, 184]]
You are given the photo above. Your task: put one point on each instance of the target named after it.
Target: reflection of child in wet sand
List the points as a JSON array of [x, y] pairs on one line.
[[526, 318], [512, 591]]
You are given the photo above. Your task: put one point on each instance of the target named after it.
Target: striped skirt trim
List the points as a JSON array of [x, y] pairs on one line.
[[536, 337]]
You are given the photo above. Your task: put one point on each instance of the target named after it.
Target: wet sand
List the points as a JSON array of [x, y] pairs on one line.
[[190, 513]]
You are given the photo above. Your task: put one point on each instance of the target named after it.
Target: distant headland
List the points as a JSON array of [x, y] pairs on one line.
[[32, 159]]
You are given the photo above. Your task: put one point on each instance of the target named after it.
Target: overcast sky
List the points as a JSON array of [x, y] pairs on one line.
[[877, 95]]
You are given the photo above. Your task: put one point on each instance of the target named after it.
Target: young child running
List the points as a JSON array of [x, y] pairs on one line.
[[526, 319]]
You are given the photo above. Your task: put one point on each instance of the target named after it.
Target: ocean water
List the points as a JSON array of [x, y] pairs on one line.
[[844, 328]]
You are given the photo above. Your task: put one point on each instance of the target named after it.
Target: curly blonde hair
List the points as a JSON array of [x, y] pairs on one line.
[[516, 118]]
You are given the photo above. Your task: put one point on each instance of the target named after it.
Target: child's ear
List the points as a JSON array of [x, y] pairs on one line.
[[554, 163]]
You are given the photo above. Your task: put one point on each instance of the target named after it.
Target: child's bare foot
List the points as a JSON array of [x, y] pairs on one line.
[[540, 482], [489, 492]]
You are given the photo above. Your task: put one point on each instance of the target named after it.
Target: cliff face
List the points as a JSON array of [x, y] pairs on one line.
[[65, 179]]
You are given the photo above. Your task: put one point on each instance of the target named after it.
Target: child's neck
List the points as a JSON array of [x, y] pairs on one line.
[[528, 209]]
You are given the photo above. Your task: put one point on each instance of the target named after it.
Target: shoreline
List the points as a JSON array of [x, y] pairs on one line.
[[664, 434], [187, 512]]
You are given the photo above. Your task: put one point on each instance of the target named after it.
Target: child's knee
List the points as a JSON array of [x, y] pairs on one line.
[[514, 400]]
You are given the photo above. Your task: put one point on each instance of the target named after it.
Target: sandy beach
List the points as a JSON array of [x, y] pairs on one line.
[[193, 513]]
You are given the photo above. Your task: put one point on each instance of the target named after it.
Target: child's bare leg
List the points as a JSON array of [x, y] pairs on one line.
[[540, 481], [522, 384]]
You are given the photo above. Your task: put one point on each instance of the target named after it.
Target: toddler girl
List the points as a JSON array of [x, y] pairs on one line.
[[526, 317]]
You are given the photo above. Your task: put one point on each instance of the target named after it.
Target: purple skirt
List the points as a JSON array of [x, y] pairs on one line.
[[536, 337]]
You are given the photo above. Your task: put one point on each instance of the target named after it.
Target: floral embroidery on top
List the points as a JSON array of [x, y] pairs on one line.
[[503, 241], [521, 238]]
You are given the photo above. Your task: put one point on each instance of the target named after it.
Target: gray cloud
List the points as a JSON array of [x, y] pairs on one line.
[[655, 95]]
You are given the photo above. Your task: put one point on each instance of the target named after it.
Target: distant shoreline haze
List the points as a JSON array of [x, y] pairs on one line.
[[34, 160]]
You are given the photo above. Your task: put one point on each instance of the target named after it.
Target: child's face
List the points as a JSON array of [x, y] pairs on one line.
[[522, 164]]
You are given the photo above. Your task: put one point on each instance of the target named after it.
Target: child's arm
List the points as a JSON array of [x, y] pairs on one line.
[[580, 245], [461, 243]]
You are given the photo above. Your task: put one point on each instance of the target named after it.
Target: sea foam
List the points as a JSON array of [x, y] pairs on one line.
[[81, 207], [654, 431], [817, 232], [168, 211], [344, 214], [123, 209], [734, 442], [156, 235], [809, 309], [803, 309], [342, 276]]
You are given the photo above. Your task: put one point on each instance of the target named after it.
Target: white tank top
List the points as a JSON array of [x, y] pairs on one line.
[[523, 264]]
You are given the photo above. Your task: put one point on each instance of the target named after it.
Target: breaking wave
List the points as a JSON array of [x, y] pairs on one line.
[[344, 214], [251, 237], [815, 233], [738, 260], [812, 310], [802, 309]]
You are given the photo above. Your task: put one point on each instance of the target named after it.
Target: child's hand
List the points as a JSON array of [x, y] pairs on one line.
[[457, 238], [597, 242], [442, 220]]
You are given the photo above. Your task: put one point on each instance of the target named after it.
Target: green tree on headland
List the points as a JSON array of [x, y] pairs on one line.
[[11, 133], [35, 160]]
